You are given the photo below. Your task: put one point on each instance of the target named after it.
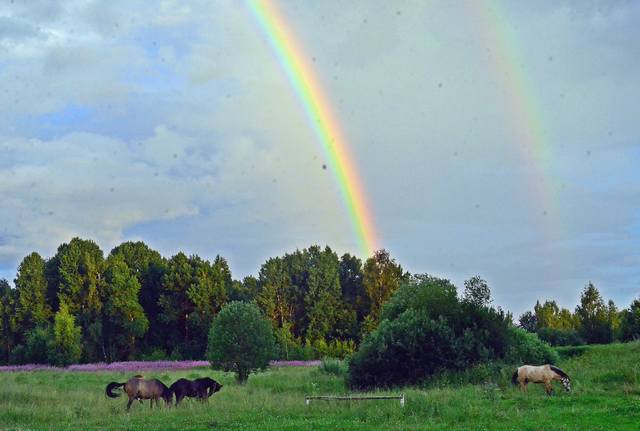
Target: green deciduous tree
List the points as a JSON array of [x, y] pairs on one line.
[[67, 339], [477, 292], [148, 266], [240, 340], [381, 279], [32, 309], [193, 292], [78, 271], [323, 297], [528, 321], [274, 296], [630, 322], [8, 300], [592, 315], [124, 321]]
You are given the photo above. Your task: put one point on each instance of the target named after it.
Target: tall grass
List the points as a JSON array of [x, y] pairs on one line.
[[606, 382]]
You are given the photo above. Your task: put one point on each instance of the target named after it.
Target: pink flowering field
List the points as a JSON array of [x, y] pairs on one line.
[[134, 366]]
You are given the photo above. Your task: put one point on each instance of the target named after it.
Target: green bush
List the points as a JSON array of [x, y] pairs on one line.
[[240, 340], [67, 339], [426, 329], [36, 348], [560, 337], [526, 348], [404, 351]]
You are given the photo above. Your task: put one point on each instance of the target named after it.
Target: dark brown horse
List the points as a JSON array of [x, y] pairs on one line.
[[142, 389], [201, 388]]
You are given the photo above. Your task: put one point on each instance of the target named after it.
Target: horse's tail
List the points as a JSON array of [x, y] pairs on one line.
[[558, 371], [110, 387], [514, 378]]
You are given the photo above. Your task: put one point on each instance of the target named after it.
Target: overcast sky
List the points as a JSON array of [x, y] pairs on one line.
[[173, 123]]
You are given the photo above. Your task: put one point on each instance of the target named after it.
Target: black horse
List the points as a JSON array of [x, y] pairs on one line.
[[201, 389]]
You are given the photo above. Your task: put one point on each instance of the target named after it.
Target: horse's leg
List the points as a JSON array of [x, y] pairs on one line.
[[129, 404], [548, 388]]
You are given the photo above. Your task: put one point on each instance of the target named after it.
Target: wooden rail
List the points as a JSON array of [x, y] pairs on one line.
[[354, 398]]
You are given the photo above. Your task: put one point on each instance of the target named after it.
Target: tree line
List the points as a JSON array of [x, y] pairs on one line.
[[593, 321], [136, 304]]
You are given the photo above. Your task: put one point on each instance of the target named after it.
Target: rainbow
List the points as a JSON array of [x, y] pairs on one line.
[[318, 110], [527, 119]]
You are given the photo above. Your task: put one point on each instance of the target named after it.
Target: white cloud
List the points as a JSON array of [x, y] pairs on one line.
[[193, 123]]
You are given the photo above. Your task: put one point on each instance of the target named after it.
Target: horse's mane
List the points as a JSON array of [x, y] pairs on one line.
[[559, 371]]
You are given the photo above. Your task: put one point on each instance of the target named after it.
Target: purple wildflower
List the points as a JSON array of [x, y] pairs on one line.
[[139, 366]]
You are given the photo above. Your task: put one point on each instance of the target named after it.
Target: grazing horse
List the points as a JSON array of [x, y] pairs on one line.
[[140, 389], [201, 389], [540, 374]]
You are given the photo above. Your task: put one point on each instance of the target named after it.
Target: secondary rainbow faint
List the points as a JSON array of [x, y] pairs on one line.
[[526, 117], [295, 64]]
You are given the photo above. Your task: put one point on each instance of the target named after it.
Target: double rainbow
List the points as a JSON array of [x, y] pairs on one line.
[[527, 119], [318, 111]]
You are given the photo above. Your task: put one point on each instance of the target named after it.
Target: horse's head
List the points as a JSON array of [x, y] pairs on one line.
[[566, 383], [213, 388]]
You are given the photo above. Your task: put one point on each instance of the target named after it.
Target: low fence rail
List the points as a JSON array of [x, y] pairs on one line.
[[400, 397]]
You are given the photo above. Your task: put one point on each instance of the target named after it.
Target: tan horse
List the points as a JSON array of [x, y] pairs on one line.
[[540, 374], [140, 389]]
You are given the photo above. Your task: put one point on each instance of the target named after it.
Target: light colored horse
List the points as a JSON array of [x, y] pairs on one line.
[[137, 388], [540, 374]]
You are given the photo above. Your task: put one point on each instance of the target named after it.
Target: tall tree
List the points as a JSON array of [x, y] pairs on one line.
[[382, 277], [323, 298], [528, 321], [477, 292], [32, 308], [351, 283], [546, 314], [592, 315], [148, 266], [208, 293], [80, 281], [7, 321], [274, 293], [193, 293], [630, 322], [124, 321], [245, 290]]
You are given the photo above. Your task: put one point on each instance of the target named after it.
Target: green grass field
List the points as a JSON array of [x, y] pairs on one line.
[[605, 380]]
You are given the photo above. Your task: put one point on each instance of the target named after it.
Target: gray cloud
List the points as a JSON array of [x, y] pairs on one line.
[[184, 112]]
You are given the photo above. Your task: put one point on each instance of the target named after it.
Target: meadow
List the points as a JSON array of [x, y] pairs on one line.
[[605, 380]]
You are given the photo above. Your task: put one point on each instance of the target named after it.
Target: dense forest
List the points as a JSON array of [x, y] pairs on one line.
[[136, 304]]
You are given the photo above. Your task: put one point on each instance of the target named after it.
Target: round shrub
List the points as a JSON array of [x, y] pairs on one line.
[[403, 351], [427, 329], [240, 340], [526, 348]]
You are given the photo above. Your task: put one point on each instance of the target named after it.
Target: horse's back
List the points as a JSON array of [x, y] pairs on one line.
[[142, 388], [534, 373]]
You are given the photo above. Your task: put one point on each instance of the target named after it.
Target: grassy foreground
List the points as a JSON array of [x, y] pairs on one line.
[[605, 380]]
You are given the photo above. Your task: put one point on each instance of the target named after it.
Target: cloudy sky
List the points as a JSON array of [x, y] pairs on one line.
[[492, 138]]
